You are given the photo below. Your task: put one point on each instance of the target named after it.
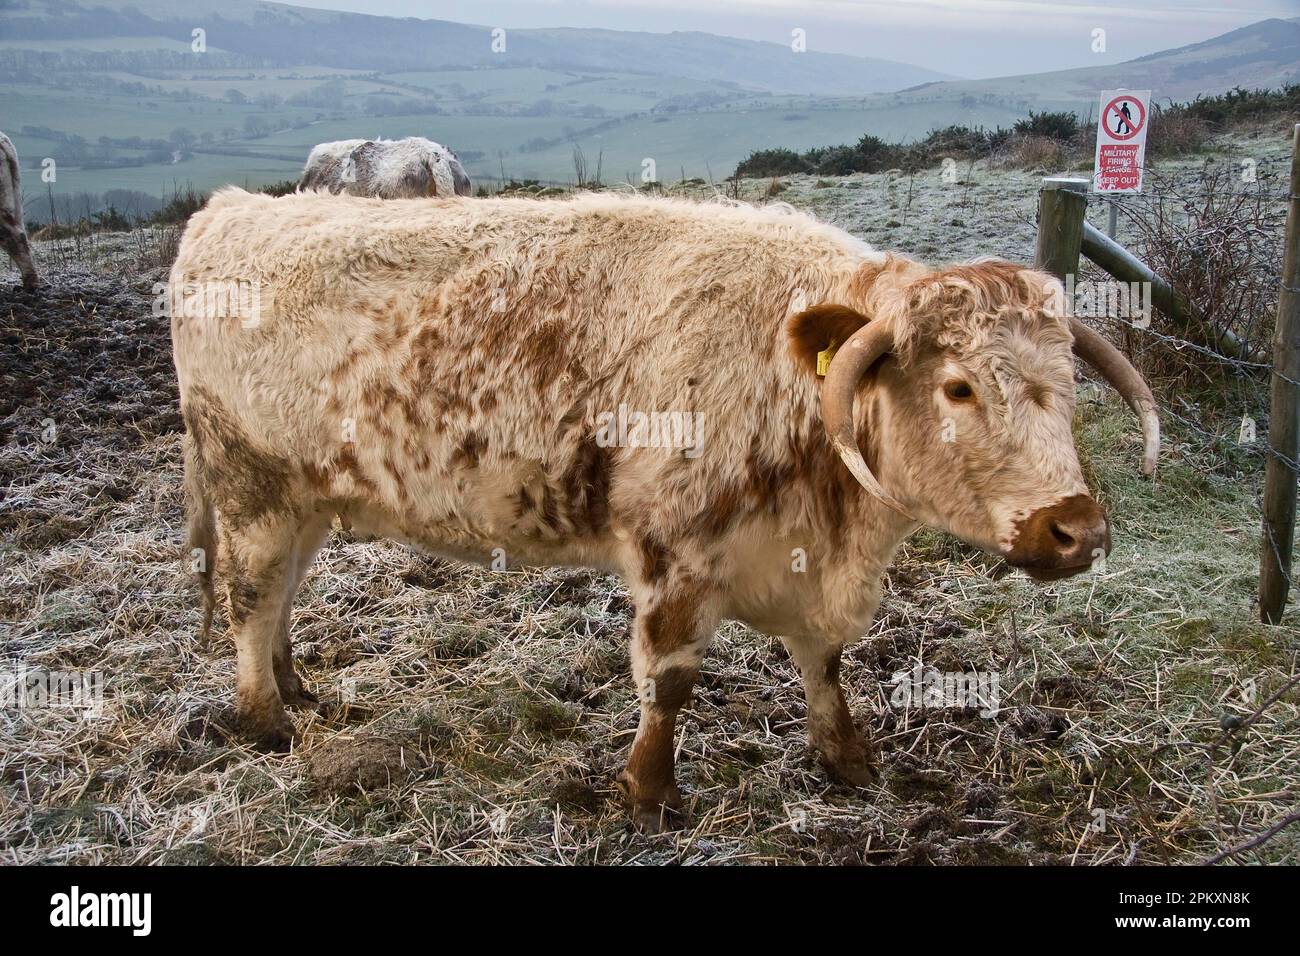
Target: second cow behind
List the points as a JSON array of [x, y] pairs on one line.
[[386, 169]]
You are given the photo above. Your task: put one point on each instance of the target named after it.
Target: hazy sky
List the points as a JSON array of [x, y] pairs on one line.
[[973, 38]]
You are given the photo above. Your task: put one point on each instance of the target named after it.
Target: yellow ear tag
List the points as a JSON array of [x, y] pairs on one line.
[[824, 359]]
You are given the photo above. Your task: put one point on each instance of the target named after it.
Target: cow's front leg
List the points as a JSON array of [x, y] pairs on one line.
[[847, 755], [675, 618]]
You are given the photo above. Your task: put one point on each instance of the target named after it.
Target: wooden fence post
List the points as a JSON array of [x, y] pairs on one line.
[[1284, 420], [1062, 203]]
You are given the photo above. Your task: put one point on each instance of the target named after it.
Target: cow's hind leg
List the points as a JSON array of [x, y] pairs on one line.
[[675, 618], [293, 692], [846, 754], [15, 244], [261, 560]]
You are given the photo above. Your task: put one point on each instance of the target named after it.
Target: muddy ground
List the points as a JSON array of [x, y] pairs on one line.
[[474, 716]]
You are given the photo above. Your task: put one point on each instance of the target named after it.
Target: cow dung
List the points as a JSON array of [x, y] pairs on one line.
[[348, 764]]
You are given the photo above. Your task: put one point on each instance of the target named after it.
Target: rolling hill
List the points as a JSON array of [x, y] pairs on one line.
[[275, 34], [1262, 55]]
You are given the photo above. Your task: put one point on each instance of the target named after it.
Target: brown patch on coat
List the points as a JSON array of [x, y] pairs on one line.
[[832, 669], [649, 773], [655, 558], [426, 352], [243, 596], [246, 482], [545, 350], [398, 477], [469, 451], [672, 688], [767, 478], [246, 590], [587, 480], [346, 462], [719, 513], [672, 622]]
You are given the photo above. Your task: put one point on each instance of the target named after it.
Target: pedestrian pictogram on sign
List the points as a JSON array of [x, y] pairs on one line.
[[1121, 141]]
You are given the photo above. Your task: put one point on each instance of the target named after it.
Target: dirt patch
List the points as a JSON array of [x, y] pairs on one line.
[[85, 353]]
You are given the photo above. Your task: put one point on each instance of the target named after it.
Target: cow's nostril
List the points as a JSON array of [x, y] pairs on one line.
[[1062, 536]]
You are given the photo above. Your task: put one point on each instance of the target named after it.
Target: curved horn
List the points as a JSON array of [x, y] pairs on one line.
[[839, 389], [1120, 373]]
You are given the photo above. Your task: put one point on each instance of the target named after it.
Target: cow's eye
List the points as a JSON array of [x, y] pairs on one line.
[[958, 391]]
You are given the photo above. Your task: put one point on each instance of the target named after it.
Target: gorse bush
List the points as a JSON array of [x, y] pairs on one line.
[[1061, 127], [871, 154], [183, 203], [1240, 105], [773, 162], [1176, 134], [282, 188]]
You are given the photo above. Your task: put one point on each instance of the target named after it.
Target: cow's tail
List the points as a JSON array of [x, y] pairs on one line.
[[201, 534]]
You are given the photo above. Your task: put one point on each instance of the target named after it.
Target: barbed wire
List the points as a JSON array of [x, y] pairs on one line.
[[1180, 344]]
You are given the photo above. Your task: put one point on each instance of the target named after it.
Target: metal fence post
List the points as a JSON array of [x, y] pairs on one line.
[[1284, 420]]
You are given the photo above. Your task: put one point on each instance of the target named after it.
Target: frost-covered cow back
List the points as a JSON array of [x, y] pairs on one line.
[[386, 169]]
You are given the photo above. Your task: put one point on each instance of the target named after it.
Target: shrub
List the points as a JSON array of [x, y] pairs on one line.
[[837, 160], [772, 162], [956, 141], [877, 155], [110, 220], [1217, 241], [1034, 152], [1240, 105], [282, 188], [1176, 134], [1061, 126], [182, 204]]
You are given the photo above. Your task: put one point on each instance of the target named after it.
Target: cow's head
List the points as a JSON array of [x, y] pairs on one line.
[[964, 388]]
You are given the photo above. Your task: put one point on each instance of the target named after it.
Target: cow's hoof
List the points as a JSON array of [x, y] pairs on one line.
[[655, 813], [651, 817], [853, 774], [853, 766], [268, 732], [298, 697]]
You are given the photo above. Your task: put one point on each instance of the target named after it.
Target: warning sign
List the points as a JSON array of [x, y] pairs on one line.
[[1121, 141]]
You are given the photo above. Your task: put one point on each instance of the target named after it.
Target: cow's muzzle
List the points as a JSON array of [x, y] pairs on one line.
[[1061, 540]]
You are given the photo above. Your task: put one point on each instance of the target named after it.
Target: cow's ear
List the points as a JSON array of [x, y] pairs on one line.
[[819, 331]]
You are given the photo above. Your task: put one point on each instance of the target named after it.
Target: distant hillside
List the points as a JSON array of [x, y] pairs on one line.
[[1262, 55], [281, 35]]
